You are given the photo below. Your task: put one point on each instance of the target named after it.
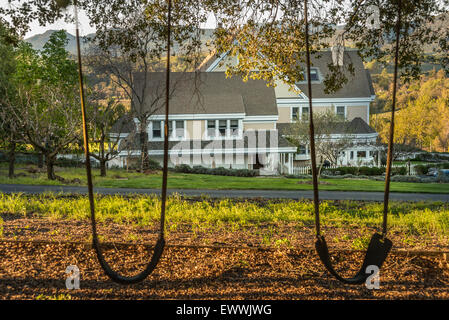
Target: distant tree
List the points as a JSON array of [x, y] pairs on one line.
[[10, 131], [422, 25], [328, 147], [47, 98], [108, 121], [130, 44], [421, 121]]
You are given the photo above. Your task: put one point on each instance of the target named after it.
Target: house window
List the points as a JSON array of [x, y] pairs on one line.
[[222, 126], [226, 128], [295, 113], [179, 129], [351, 155], [157, 132], [341, 112], [361, 154], [302, 150], [305, 113], [314, 74], [211, 128], [234, 127]]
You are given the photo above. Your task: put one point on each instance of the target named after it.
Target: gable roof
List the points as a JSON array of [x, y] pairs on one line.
[[209, 93], [359, 84]]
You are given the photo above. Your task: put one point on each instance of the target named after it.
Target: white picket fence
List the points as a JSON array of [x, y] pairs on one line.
[[308, 169]]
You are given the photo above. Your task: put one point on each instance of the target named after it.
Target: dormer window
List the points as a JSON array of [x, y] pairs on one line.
[[314, 74]]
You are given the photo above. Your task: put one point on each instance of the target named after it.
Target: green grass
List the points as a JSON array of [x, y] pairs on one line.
[[414, 219], [201, 181]]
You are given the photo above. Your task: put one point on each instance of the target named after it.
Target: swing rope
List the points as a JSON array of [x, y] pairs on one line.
[[159, 247], [379, 246]]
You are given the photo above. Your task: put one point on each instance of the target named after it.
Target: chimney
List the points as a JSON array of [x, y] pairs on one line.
[[338, 52]]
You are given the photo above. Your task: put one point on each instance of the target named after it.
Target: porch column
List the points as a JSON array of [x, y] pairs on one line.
[[379, 162]]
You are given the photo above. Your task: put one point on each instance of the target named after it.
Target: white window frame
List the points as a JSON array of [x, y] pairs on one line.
[[150, 131], [172, 137], [228, 135], [291, 113], [302, 111], [174, 132], [346, 110]]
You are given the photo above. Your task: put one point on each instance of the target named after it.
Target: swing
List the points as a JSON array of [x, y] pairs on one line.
[[159, 247], [379, 246]]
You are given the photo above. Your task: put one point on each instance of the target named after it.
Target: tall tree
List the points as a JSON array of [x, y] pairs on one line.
[[10, 133], [47, 97], [269, 40], [108, 120], [130, 44], [327, 123]]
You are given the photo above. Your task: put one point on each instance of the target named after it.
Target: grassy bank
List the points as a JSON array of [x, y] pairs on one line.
[[423, 219], [122, 179]]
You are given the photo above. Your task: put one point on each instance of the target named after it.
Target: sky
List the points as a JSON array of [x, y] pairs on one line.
[[85, 28]]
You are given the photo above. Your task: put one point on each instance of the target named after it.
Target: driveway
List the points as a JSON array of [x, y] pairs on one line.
[[273, 194]]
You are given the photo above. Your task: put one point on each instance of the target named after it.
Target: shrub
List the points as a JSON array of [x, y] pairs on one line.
[[403, 178], [399, 171], [154, 165], [184, 168], [422, 169], [365, 171], [371, 171]]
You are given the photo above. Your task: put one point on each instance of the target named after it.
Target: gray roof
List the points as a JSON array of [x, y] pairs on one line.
[[358, 85], [209, 93], [355, 126]]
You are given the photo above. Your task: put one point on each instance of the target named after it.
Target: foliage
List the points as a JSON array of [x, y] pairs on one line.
[[47, 101], [423, 117], [268, 39], [422, 24], [326, 123]]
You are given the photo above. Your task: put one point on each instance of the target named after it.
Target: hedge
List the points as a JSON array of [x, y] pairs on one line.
[[357, 171], [184, 168]]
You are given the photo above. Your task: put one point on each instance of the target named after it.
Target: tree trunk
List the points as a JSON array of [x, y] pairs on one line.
[[40, 160], [102, 158], [50, 162], [145, 161], [103, 168], [12, 159]]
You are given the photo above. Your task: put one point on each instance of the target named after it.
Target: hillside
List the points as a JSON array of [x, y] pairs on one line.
[[38, 41]]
